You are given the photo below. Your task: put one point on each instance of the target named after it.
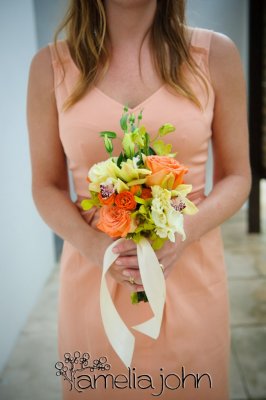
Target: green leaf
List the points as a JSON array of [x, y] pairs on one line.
[[137, 297], [109, 134], [87, 204], [140, 200], [134, 297], [158, 243], [142, 297], [151, 152], [146, 226], [120, 159]]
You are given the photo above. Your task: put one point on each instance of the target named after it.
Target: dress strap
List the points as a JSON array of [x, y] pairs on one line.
[[201, 37], [61, 52]]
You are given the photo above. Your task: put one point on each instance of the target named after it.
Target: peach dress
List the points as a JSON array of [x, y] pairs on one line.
[[195, 334]]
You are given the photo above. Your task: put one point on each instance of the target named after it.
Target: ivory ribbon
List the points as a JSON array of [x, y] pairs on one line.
[[118, 334]]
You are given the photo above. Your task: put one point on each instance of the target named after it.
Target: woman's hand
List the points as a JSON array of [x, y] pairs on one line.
[[170, 253], [128, 262], [123, 274]]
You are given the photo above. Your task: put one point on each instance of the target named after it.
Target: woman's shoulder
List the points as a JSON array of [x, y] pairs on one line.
[[222, 46], [50, 54], [200, 37], [41, 66], [47, 62], [224, 60]]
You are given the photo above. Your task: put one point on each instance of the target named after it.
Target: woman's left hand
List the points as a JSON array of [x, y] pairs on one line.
[[167, 256], [170, 253]]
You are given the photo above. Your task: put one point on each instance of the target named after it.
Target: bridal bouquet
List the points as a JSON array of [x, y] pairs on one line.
[[141, 192], [142, 196]]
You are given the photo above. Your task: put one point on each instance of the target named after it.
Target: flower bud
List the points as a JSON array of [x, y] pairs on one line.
[[128, 145], [108, 144]]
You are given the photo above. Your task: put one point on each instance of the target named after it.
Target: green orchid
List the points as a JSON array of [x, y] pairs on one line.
[[163, 149], [119, 185], [165, 129], [181, 192], [129, 173]]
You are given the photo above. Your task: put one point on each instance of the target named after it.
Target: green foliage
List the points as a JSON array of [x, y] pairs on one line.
[[109, 134], [161, 148], [87, 204], [151, 152], [137, 297]]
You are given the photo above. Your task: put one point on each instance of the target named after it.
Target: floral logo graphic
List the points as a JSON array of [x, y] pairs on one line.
[[77, 364]]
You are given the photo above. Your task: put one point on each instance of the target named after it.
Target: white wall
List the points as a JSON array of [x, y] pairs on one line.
[[225, 16], [228, 17], [27, 254], [48, 15]]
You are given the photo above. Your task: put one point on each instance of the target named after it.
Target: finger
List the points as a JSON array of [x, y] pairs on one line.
[[124, 246], [133, 288], [167, 264], [120, 274], [134, 274], [130, 261], [164, 251], [132, 252]]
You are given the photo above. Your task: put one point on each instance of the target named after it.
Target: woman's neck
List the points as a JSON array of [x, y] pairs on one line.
[[128, 21]]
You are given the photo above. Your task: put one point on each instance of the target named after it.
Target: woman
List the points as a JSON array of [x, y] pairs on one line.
[[141, 53]]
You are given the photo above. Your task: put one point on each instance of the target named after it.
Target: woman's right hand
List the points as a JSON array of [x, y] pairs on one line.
[[125, 269]]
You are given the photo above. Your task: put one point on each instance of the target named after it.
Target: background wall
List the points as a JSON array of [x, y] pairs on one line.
[[27, 254], [228, 17], [48, 15], [27, 248], [225, 16]]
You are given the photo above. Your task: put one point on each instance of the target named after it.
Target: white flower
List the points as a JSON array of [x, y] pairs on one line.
[[135, 161], [168, 221]]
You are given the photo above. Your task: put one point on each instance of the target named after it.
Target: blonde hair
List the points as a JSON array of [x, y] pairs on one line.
[[87, 38]]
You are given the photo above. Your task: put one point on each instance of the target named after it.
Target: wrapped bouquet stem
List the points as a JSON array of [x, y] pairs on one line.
[[142, 196]]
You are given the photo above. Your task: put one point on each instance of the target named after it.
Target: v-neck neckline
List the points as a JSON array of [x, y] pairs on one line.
[[117, 102], [130, 109]]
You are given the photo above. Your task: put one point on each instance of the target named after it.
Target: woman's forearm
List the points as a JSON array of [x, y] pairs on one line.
[[226, 197], [63, 217]]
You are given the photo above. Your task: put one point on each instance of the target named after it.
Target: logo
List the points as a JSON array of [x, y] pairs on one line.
[[81, 372], [77, 364]]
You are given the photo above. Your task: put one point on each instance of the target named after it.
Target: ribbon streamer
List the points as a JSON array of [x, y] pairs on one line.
[[118, 334]]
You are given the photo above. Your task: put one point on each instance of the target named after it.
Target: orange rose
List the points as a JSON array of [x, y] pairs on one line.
[[107, 201], [166, 172], [114, 221], [146, 193], [125, 200]]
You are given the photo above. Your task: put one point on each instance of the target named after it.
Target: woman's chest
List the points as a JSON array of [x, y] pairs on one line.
[[130, 80]]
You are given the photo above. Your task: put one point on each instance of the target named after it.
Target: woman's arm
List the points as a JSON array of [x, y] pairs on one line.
[[50, 188], [232, 175]]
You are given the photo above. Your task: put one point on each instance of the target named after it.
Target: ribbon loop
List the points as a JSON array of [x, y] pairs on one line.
[[118, 334]]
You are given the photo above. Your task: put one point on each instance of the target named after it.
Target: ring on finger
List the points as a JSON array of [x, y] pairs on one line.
[[162, 267], [132, 280]]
